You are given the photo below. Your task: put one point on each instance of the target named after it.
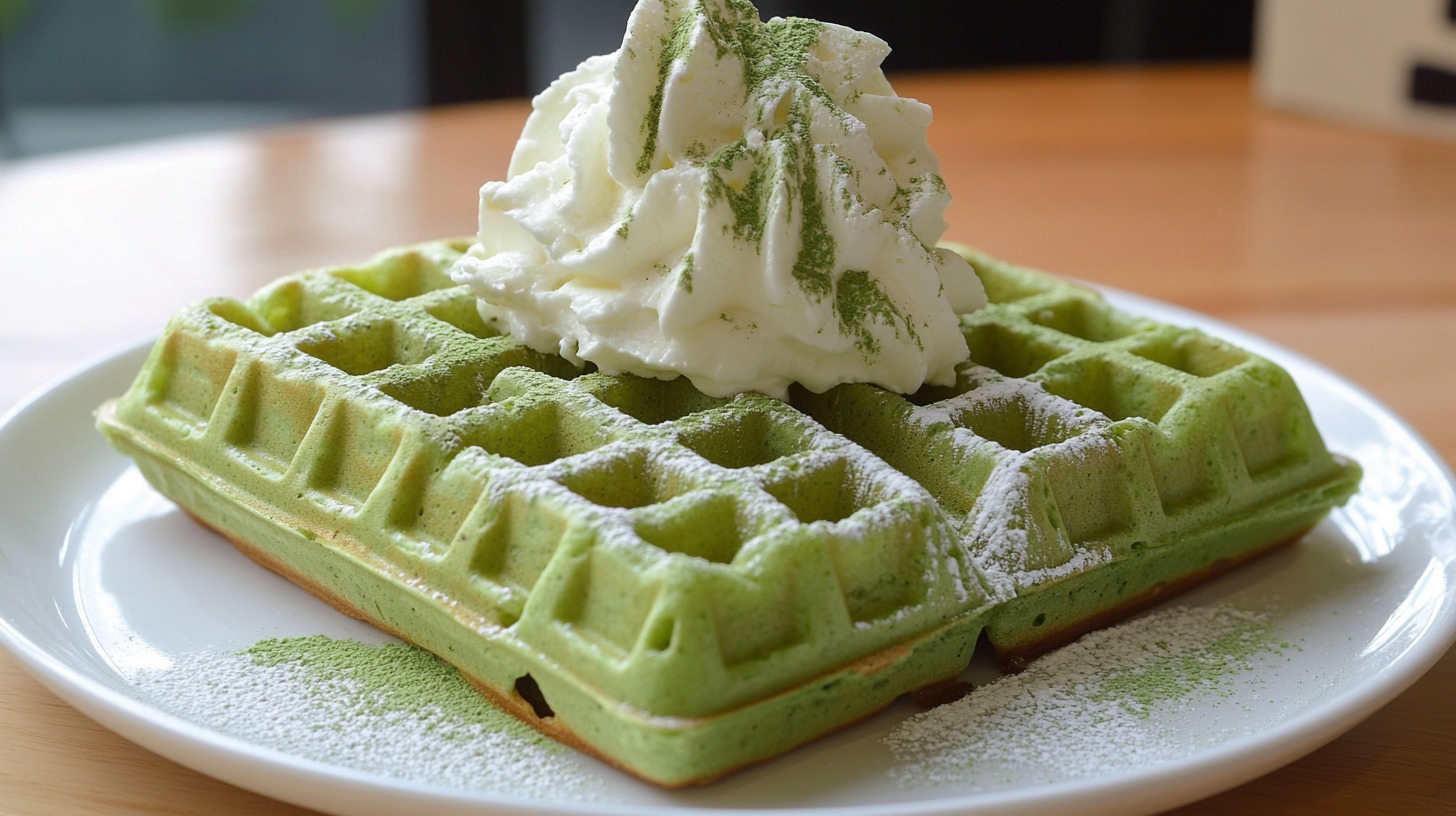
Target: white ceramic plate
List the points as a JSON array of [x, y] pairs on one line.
[[101, 579]]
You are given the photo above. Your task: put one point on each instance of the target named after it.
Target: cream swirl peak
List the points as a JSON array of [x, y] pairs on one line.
[[746, 204]]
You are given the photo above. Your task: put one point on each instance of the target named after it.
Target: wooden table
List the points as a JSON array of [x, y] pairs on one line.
[[1337, 242]]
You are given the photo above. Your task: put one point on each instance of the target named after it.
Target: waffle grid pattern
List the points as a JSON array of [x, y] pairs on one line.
[[699, 583], [1078, 435], [632, 529]]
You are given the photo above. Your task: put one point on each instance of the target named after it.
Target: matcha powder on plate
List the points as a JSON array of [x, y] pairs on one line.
[[393, 710], [1154, 689]]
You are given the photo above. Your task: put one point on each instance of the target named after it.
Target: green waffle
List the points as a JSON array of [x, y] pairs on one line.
[[681, 585], [1095, 462], [685, 585]]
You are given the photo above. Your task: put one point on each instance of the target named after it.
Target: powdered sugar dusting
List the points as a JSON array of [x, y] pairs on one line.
[[1007, 544], [1117, 699], [1053, 414], [1004, 537], [390, 710]]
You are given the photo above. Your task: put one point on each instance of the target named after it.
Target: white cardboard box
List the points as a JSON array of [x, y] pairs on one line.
[[1380, 62]]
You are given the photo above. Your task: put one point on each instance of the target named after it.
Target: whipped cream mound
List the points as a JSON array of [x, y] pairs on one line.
[[742, 203]]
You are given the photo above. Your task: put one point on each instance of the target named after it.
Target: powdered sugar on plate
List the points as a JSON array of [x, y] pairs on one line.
[[1154, 689], [392, 710], [1136, 695]]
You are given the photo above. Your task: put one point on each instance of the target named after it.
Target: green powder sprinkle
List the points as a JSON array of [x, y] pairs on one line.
[[861, 303], [745, 175], [814, 266], [390, 678], [685, 273], [779, 158], [674, 46], [1152, 690], [750, 202], [392, 710], [625, 227], [1172, 671]]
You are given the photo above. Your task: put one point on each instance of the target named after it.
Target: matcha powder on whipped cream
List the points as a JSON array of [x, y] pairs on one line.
[[393, 710], [743, 203]]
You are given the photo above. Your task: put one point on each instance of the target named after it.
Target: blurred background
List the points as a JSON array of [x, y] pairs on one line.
[[85, 73]]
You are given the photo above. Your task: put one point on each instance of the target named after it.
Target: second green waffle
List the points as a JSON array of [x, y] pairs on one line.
[[684, 585]]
